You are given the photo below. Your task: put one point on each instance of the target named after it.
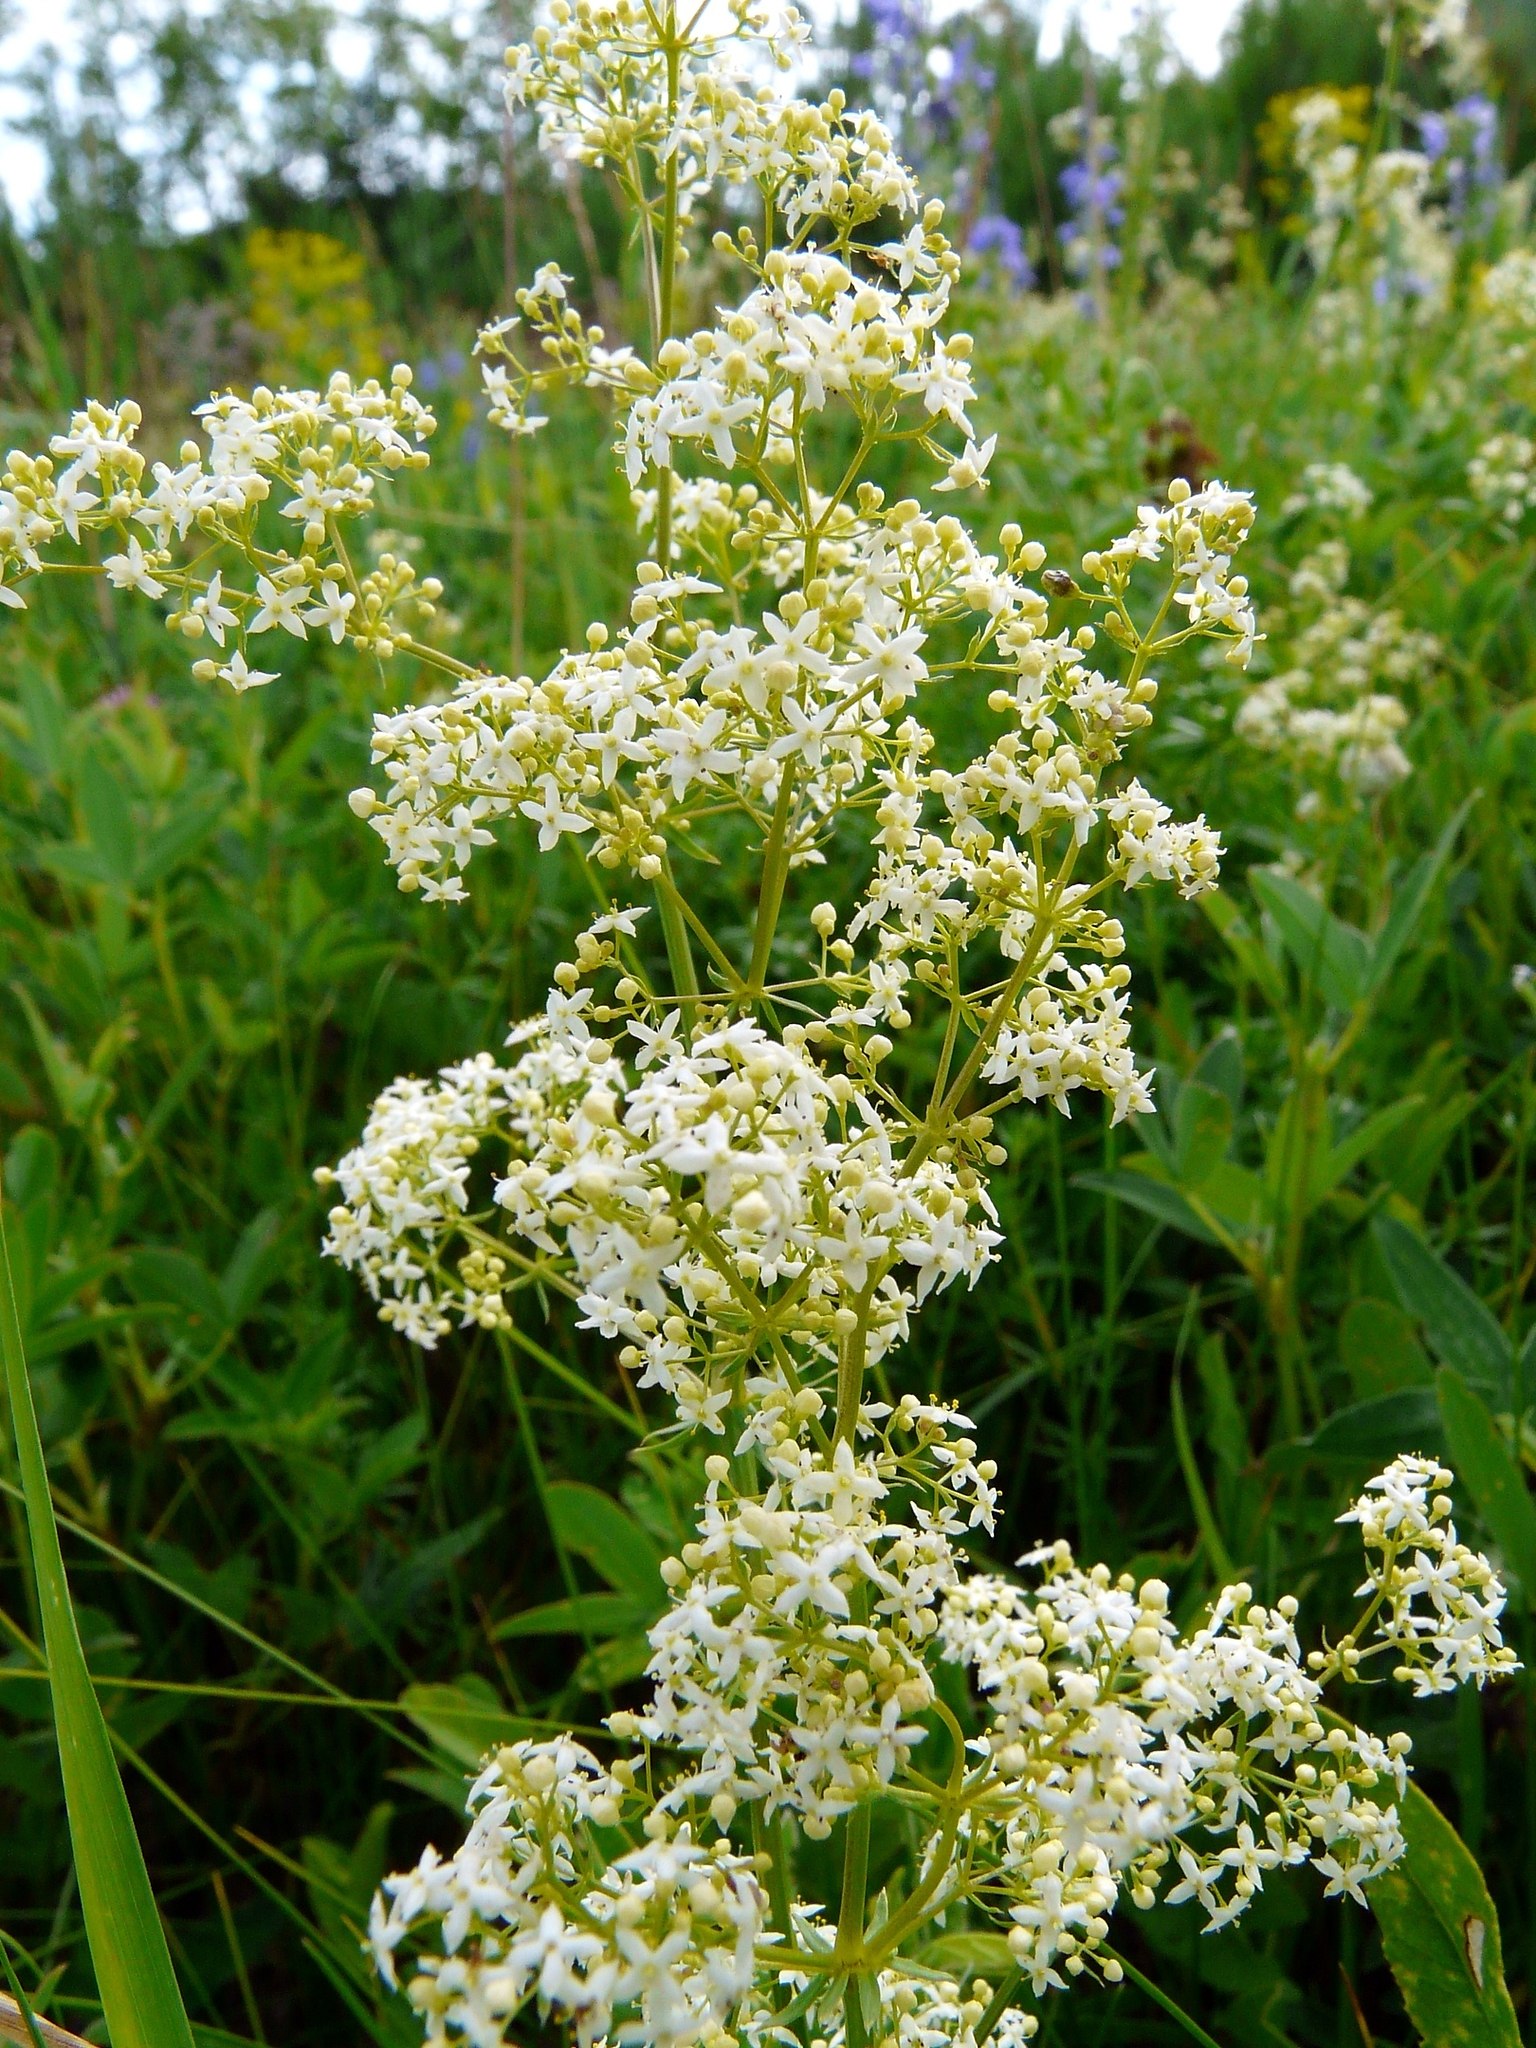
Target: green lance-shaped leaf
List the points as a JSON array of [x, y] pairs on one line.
[[1441, 1936], [1463, 1331], [139, 1994], [1325, 949], [1481, 1457]]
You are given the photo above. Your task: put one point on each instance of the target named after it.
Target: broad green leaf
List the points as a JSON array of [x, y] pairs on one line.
[[246, 1273], [170, 1100], [1250, 955], [1527, 1379], [47, 716], [228, 1588], [31, 1165], [1462, 1330], [1202, 1133], [239, 1037], [596, 1527], [158, 1272], [1220, 1067], [108, 819], [615, 1663], [1380, 1350], [972, 1954], [1484, 1463], [1296, 1156], [1412, 897], [1152, 1196], [425, 1565], [1235, 1197], [464, 1719], [171, 844], [1326, 951], [1410, 1161], [1346, 1155], [1225, 1430], [1440, 1933], [140, 1998], [342, 1882], [78, 1092], [49, 1340], [1378, 1429], [585, 1614]]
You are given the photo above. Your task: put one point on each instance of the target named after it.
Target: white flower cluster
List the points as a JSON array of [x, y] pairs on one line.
[[1441, 28], [811, 332], [1378, 242], [657, 1944], [912, 2011], [1197, 534], [790, 1663], [613, 88], [1502, 475], [709, 1142], [570, 353], [1504, 329], [1435, 1603], [793, 1673], [1334, 713], [1330, 487], [316, 456], [626, 742], [736, 1193], [1127, 1754]]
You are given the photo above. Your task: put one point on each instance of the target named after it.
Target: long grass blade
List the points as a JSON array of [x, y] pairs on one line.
[[140, 1998]]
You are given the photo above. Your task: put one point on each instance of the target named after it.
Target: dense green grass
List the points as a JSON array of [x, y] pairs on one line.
[[296, 1542]]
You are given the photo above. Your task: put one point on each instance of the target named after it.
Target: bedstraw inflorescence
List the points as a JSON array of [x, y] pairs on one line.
[[749, 1164]]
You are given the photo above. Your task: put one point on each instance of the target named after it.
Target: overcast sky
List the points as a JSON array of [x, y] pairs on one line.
[[1196, 27]]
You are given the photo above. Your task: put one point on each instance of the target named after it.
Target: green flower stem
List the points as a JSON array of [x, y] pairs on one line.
[[674, 925], [771, 896], [850, 1918]]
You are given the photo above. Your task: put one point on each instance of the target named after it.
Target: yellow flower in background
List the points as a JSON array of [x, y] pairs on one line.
[[1350, 123], [309, 308]]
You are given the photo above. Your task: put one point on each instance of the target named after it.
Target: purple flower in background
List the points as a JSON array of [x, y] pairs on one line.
[[433, 372], [1398, 284], [928, 84], [997, 236], [1462, 142], [1092, 188], [1086, 186]]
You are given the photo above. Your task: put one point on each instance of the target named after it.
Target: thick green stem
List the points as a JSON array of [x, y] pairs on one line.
[[666, 282], [850, 1369], [668, 891], [997, 2007], [768, 1841], [771, 896], [674, 926], [851, 1909]]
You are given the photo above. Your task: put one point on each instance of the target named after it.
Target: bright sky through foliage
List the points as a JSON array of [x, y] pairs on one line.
[[1195, 26]]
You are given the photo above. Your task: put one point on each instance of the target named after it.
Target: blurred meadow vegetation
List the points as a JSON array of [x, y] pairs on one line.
[[305, 1553]]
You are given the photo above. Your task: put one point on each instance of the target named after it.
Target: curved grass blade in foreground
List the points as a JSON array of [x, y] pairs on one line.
[[140, 1998]]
